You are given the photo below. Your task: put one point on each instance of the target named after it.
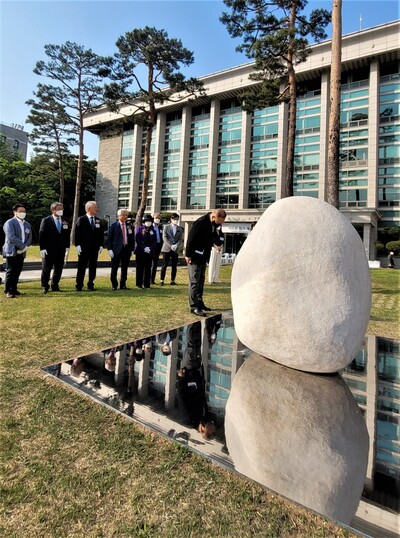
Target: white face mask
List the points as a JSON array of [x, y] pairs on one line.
[[60, 213], [21, 215], [174, 221], [156, 221], [147, 223]]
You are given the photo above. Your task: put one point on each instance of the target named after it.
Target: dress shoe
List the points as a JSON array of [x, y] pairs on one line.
[[174, 284], [45, 290], [198, 312], [114, 288], [55, 289], [91, 289], [123, 288], [16, 292], [205, 308], [162, 283], [140, 287], [10, 295], [153, 282], [78, 289]]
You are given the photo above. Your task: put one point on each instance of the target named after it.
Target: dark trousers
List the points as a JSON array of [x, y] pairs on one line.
[[122, 259], [154, 262], [143, 270], [167, 256], [13, 270], [55, 261], [197, 274], [84, 259]]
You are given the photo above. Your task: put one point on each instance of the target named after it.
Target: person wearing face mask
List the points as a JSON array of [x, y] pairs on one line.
[[146, 242], [54, 244], [198, 249], [158, 229], [172, 241], [18, 237], [89, 239]]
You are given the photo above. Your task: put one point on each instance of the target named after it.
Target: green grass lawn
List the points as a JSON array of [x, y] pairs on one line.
[[71, 468]]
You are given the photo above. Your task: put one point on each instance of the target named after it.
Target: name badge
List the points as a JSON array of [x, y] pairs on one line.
[[151, 233], [201, 252], [65, 226], [129, 231], [27, 230], [97, 225]]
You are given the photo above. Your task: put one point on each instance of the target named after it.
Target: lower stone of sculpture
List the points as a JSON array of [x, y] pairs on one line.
[[301, 435]]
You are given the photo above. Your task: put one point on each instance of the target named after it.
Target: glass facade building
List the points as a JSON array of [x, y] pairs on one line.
[[209, 153]]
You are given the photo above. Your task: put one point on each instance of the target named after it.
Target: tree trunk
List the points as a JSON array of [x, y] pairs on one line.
[[78, 184], [332, 191], [288, 186], [151, 121], [146, 175], [60, 169]]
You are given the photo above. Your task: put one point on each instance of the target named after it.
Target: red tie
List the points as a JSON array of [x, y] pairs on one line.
[[124, 241]]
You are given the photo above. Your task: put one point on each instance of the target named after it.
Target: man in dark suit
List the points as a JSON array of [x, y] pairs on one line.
[[54, 246], [120, 244], [158, 230], [198, 249], [89, 239]]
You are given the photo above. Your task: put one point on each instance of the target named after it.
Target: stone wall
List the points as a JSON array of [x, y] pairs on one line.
[[108, 172]]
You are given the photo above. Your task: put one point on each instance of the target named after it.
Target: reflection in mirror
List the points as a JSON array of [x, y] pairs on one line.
[[178, 383]]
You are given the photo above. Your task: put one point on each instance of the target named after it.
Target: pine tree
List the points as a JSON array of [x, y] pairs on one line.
[[53, 132], [161, 57], [78, 89], [274, 35]]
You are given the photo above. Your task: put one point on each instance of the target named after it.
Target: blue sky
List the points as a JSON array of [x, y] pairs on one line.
[[26, 26]]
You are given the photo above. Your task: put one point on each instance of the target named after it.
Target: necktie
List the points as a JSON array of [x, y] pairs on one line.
[[59, 224], [124, 241], [92, 222]]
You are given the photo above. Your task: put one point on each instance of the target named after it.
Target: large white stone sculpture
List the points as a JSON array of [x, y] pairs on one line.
[[299, 434], [301, 287]]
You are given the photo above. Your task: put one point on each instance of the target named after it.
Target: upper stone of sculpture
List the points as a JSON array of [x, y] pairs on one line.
[[301, 291]]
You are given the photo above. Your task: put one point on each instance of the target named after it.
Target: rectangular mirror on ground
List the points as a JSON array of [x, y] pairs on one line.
[[178, 382]]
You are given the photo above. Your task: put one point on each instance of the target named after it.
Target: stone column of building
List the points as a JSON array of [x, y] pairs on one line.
[[159, 139], [170, 385], [282, 148], [371, 409], [245, 161], [212, 155], [143, 378], [323, 136], [135, 173], [237, 356], [108, 167], [370, 232], [184, 157], [119, 374], [373, 134]]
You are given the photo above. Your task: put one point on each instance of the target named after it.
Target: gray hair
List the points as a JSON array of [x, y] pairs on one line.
[[55, 204], [120, 211], [90, 204]]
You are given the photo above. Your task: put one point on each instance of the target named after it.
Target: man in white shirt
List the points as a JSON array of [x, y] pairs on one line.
[[54, 241]]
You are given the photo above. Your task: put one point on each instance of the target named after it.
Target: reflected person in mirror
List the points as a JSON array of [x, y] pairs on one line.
[[191, 385]]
